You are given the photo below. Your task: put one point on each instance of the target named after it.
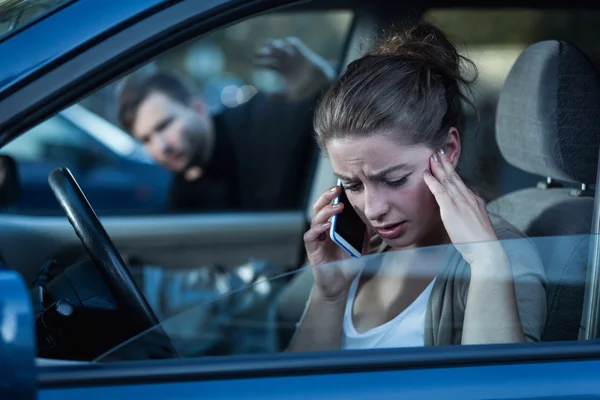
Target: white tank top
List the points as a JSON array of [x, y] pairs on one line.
[[407, 329]]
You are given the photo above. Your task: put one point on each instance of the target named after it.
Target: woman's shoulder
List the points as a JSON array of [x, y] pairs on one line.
[[504, 229], [512, 238], [521, 249]]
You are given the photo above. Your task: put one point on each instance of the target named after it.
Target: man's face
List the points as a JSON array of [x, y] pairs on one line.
[[172, 132]]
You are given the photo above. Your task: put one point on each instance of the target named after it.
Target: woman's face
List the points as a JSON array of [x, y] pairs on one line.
[[384, 182]]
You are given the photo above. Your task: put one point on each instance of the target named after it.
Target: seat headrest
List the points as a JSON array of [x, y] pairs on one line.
[[548, 116]]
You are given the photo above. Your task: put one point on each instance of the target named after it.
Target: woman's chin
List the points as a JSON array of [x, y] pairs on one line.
[[408, 240], [403, 242]]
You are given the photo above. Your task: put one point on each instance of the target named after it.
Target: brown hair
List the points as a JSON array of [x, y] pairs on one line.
[[138, 86], [409, 86]]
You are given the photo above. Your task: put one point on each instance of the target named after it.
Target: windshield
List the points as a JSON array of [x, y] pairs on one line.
[[206, 311], [16, 13]]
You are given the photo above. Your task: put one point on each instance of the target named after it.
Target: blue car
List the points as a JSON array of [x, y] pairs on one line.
[[144, 303], [111, 167]]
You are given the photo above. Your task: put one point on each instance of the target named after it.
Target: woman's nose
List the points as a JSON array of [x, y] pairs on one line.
[[375, 206]]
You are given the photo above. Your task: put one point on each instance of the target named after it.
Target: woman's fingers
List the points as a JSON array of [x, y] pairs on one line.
[[445, 173], [453, 175], [316, 234], [325, 199], [326, 213], [439, 192], [439, 173], [323, 210], [320, 226]]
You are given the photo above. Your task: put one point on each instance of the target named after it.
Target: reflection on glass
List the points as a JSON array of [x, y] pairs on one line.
[[248, 319]]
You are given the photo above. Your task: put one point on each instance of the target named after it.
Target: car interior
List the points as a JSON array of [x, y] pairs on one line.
[[89, 273], [541, 129]]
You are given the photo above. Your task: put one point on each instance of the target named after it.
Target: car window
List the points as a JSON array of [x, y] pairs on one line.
[[16, 13], [261, 154], [55, 140], [549, 268]]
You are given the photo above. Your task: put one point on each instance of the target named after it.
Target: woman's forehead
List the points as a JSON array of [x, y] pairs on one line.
[[371, 155]]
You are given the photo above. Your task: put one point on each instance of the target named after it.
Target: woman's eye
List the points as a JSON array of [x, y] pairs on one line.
[[398, 183], [352, 188]]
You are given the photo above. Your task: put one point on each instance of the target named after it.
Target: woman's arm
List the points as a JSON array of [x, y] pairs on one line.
[[491, 313], [321, 326], [491, 310]]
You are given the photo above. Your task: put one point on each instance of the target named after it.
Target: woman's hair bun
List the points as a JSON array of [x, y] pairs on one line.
[[409, 85], [424, 43]]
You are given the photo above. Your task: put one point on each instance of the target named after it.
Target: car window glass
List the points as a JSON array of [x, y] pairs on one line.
[[262, 155], [50, 141], [243, 311], [539, 264]]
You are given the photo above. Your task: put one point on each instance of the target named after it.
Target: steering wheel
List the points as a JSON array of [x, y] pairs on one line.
[[101, 249]]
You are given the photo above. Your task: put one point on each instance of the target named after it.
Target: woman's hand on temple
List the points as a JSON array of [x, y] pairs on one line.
[[464, 215]]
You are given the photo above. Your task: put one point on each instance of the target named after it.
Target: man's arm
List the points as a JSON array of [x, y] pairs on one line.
[[273, 132], [305, 72]]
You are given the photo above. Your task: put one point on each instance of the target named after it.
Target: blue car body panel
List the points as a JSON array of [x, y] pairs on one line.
[[567, 380], [53, 42], [17, 338]]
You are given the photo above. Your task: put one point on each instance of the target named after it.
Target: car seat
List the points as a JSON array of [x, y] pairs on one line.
[[548, 124]]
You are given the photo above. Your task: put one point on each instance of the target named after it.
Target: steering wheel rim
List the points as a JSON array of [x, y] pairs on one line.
[[100, 247]]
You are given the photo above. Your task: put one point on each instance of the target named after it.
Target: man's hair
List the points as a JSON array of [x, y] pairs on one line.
[[138, 86]]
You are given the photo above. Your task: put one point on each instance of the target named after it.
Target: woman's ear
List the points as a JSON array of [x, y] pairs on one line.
[[452, 146]]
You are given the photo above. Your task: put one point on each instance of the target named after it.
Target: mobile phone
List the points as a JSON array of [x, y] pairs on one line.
[[347, 228]]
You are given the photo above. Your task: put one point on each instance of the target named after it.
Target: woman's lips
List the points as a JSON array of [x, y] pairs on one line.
[[391, 231]]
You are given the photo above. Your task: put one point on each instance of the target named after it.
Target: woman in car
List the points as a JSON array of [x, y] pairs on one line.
[[390, 126]]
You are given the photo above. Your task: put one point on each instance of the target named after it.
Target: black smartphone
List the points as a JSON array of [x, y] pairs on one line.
[[347, 228]]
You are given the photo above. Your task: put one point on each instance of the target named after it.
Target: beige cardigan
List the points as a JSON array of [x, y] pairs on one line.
[[446, 308]]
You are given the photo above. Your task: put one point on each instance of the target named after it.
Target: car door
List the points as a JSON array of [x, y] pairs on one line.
[[550, 370], [272, 230]]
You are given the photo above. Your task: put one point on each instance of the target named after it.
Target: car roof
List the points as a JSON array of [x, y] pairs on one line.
[[54, 35]]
